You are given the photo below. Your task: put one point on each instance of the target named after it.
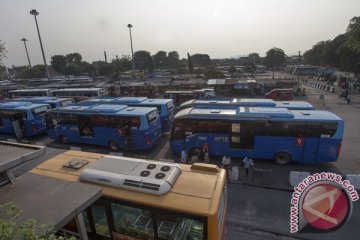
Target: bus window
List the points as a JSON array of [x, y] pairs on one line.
[[100, 220], [132, 221]]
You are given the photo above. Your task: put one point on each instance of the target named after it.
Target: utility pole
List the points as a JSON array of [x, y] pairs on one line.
[[35, 13], [132, 52], [27, 54], [105, 56]]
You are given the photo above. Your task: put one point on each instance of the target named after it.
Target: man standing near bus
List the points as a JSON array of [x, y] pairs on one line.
[[247, 163], [226, 162]]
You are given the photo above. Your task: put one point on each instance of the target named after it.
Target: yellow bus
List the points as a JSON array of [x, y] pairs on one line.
[[145, 199]]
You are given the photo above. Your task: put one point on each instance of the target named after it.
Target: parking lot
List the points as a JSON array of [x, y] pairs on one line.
[[259, 207]]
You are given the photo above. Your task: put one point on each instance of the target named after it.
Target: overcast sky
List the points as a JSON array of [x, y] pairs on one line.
[[220, 28]]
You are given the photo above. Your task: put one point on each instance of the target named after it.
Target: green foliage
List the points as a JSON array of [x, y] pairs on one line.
[[201, 60], [58, 62], [213, 73], [37, 71], [232, 69], [254, 58], [353, 32], [29, 229], [275, 57], [342, 52], [160, 59], [143, 61], [173, 59]]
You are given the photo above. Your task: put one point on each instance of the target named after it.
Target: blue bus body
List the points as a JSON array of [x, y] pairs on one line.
[[264, 133], [54, 102], [243, 102], [165, 106], [30, 117], [116, 126]]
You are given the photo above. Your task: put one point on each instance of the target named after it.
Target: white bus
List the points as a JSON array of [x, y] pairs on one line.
[[23, 93], [79, 94]]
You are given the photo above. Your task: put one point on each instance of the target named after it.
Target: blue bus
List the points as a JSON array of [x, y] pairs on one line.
[[165, 106], [260, 132], [243, 102], [54, 102], [22, 118], [116, 126]]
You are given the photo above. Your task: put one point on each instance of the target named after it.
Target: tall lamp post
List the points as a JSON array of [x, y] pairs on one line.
[[132, 52], [35, 13], [27, 54]]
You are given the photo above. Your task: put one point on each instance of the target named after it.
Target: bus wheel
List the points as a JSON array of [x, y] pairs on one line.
[[63, 139], [282, 158], [113, 145]]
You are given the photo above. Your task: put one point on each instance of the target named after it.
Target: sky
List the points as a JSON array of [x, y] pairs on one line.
[[220, 28]]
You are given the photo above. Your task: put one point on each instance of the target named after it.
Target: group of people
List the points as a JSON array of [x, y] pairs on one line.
[[247, 162]]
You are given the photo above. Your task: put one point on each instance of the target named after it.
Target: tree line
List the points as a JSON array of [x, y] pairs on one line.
[[343, 52]]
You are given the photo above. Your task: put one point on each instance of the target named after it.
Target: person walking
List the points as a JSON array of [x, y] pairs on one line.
[[247, 163], [183, 156], [348, 98], [226, 162]]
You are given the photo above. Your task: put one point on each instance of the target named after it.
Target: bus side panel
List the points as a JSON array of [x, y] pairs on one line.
[[264, 150], [328, 150], [176, 145], [6, 126]]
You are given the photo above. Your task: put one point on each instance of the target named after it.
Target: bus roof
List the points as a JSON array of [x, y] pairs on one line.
[[106, 109], [253, 113], [21, 105], [129, 100], [75, 89], [298, 105], [30, 90], [184, 196]]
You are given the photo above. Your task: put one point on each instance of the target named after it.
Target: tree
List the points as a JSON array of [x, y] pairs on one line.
[[143, 60], [254, 58], [213, 73], [232, 70], [29, 229], [173, 59], [190, 63], [160, 59], [37, 71], [73, 58], [315, 56], [58, 62], [275, 58], [201, 60], [353, 31]]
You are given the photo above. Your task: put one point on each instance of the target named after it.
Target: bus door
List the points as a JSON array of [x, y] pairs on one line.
[[16, 120], [242, 135], [309, 147], [85, 128]]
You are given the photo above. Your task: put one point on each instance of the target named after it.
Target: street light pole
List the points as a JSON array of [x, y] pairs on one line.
[[132, 52], [35, 13], [27, 54]]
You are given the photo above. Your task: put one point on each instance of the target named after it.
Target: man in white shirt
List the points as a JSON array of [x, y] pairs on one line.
[[247, 162], [183, 156], [226, 162]]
